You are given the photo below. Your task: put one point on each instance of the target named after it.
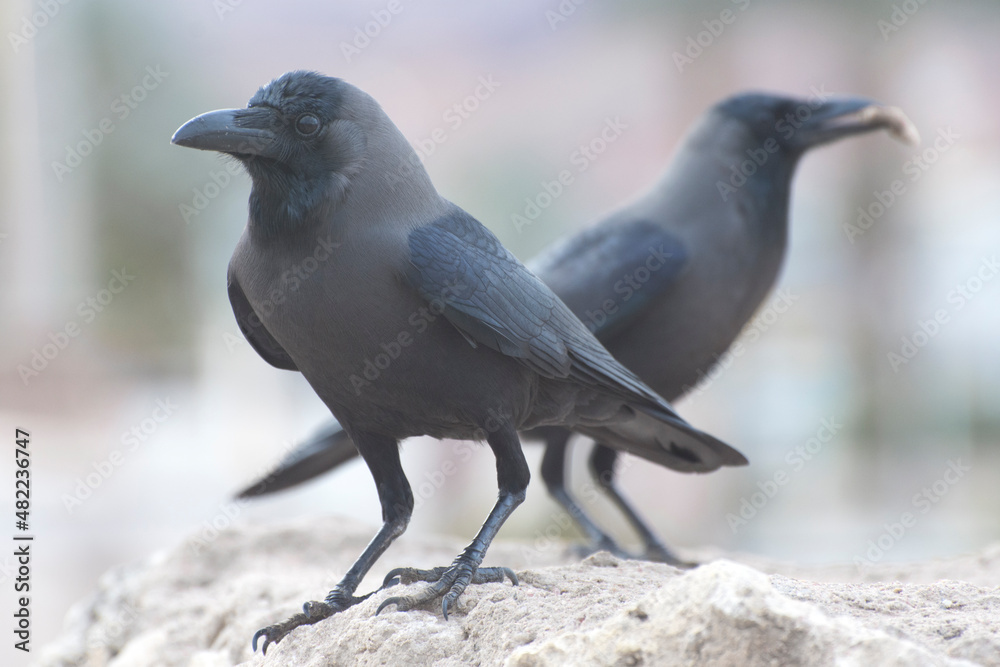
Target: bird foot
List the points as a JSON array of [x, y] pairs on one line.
[[446, 582], [312, 612]]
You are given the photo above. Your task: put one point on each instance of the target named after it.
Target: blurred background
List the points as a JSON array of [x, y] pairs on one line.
[[147, 409]]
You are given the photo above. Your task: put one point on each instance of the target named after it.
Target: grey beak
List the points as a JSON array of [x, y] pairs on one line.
[[234, 131], [840, 117]]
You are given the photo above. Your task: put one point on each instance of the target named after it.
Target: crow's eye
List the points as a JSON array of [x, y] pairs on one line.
[[306, 124]]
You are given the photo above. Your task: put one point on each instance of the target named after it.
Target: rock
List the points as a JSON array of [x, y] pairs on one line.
[[200, 604], [724, 613]]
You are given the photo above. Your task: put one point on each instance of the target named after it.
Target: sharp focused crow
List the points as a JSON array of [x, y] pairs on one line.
[[497, 351]]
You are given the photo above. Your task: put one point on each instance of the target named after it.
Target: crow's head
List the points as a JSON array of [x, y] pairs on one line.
[[302, 138], [790, 126]]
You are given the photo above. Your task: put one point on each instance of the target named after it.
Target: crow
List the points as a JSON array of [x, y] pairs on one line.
[[466, 341]]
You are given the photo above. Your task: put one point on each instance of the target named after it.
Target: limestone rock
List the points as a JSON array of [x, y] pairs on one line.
[[201, 603]]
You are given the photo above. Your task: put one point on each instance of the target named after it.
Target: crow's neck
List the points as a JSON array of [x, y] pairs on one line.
[[770, 188], [284, 208]]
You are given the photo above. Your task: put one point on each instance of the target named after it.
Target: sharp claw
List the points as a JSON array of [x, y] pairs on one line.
[[386, 603], [266, 634], [393, 575], [312, 612], [256, 636], [448, 583]]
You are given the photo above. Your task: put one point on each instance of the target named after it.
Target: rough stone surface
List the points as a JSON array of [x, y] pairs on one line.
[[200, 604]]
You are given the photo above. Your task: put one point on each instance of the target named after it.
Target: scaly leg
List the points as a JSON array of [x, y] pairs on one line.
[[382, 456], [449, 583], [602, 467], [554, 475]]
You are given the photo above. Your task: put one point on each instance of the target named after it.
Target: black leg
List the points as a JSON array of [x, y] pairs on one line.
[[554, 475], [382, 456], [449, 583], [602, 467]]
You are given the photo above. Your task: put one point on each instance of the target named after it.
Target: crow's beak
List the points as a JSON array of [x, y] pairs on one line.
[[239, 132], [844, 116]]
